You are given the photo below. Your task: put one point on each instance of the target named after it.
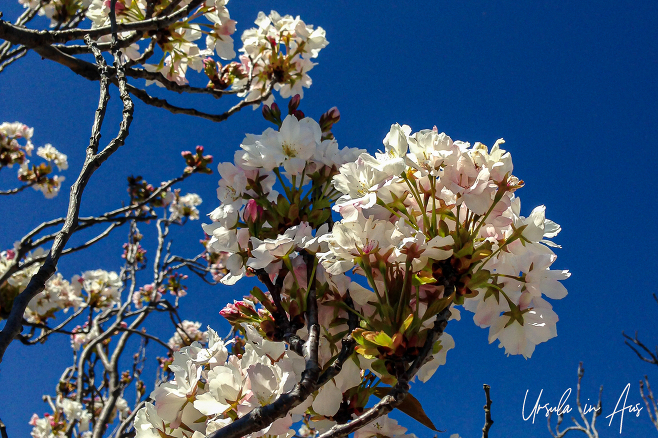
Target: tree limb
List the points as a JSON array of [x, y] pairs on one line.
[[40, 38], [92, 162], [488, 422]]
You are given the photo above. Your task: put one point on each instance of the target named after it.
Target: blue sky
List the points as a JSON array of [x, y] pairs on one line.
[[570, 86]]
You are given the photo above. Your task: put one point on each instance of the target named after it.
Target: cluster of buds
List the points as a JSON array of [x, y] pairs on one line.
[[220, 78], [255, 309], [134, 254], [174, 285], [140, 190], [146, 295], [272, 113], [197, 162]]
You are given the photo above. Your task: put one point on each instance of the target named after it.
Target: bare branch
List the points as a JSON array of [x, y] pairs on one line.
[[590, 426], [162, 103], [92, 162], [47, 331], [652, 408], [147, 336], [16, 190], [129, 420], [12, 56], [488, 422], [651, 357]]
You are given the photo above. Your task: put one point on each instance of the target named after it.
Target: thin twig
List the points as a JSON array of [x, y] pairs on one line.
[[652, 408], [589, 427], [488, 422], [16, 190]]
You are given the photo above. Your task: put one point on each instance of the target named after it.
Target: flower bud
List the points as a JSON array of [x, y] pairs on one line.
[[294, 104], [252, 212]]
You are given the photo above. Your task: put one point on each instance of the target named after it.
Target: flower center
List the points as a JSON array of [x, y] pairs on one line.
[[288, 150]]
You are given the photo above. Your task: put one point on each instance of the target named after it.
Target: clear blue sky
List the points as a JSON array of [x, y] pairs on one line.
[[572, 88]]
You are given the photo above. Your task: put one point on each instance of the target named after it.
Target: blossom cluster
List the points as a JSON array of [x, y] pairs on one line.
[[276, 53], [186, 334], [58, 11], [97, 289], [213, 388], [69, 414], [280, 237], [16, 145], [438, 217], [426, 225], [279, 49]]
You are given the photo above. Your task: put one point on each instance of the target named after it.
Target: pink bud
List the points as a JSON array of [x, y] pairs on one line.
[[229, 310], [252, 211], [199, 150]]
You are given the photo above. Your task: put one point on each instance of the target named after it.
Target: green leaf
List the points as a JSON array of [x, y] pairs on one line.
[[478, 279], [282, 206], [466, 250], [293, 212], [380, 367], [437, 306], [260, 296], [407, 323], [321, 203], [419, 281], [410, 406], [382, 339]]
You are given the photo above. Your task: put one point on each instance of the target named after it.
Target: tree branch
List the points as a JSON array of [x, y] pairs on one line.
[[652, 409], [92, 162], [40, 38], [3, 430], [488, 422], [263, 416], [590, 427], [17, 189]]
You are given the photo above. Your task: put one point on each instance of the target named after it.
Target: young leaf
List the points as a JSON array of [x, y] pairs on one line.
[[412, 407]]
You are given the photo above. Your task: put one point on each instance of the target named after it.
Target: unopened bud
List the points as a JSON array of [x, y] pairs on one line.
[[294, 104], [253, 211]]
